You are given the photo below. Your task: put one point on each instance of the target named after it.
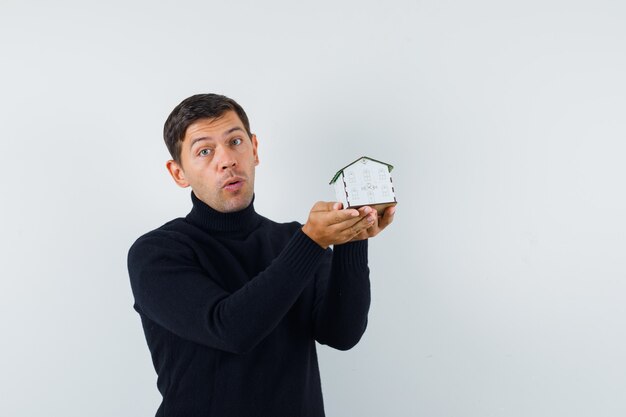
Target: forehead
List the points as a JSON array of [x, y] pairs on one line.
[[213, 127]]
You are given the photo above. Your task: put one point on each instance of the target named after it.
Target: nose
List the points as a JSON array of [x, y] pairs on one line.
[[225, 159]]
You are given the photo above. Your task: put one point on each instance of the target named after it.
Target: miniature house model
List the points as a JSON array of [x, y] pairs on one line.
[[365, 182]]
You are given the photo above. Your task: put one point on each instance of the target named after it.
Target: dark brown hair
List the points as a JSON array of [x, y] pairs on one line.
[[199, 106]]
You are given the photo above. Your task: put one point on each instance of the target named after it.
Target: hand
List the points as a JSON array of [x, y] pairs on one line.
[[329, 225], [377, 226]]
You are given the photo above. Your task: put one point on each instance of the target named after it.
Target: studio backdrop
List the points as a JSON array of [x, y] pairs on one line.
[[497, 291]]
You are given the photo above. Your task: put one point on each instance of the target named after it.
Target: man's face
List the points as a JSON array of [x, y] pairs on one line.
[[217, 160]]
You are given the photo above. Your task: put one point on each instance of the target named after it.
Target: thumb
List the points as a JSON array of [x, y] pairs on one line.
[[325, 206]]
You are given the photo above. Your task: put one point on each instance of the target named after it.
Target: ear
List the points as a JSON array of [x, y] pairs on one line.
[[255, 150], [177, 173]]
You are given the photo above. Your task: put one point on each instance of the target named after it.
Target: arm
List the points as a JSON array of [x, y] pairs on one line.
[[342, 297], [172, 290]]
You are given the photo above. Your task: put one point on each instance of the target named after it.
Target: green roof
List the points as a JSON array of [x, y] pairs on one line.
[[389, 166]]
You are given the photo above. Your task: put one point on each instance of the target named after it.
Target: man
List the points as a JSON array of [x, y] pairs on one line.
[[232, 303]]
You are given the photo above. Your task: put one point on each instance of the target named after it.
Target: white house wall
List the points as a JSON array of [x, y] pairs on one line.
[[367, 182]]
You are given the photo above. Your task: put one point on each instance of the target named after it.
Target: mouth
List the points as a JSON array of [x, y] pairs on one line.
[[233, 184]]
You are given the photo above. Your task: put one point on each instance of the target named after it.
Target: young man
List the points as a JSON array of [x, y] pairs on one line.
[[232, 303]]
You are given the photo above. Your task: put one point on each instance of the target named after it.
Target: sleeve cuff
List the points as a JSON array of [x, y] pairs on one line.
[[352, 253]]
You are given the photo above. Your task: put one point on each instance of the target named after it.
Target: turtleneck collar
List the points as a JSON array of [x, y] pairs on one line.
[[209, 219]]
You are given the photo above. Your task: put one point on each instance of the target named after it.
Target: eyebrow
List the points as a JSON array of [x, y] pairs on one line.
[[228, 132]]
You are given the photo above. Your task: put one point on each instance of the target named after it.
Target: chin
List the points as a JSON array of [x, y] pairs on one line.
[[236, 204]]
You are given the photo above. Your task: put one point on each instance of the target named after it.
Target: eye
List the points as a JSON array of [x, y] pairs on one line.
[[237, 141], [204, 152]]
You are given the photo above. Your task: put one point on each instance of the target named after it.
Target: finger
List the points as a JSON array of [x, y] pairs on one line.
[[365, 210], [360, 236], [323, 206], [326, 206], [340, 216], [387, 217], [355, 226], [353, 216], [356, 217], [333, 206]]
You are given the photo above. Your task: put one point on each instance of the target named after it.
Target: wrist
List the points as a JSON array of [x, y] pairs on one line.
[[306, 229]]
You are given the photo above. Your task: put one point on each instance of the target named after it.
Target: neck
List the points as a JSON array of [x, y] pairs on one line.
[[207, 218]]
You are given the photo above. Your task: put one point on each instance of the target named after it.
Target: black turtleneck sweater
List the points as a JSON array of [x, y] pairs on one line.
[[232, 304]]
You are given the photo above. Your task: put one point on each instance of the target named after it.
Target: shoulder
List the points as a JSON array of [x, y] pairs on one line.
[[170, 236]]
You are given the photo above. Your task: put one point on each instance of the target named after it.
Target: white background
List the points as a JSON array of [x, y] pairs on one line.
[[499, 290]]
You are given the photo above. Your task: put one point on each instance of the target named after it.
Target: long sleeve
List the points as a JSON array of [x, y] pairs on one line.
[[172, 289], [342, 297]]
